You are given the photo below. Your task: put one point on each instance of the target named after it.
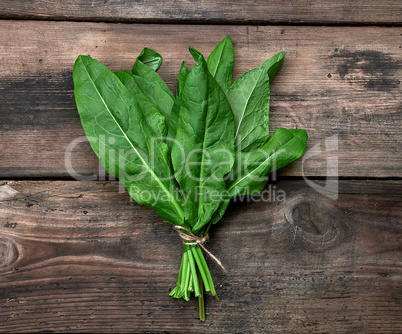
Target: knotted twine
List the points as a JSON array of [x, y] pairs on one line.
[[189, 238]]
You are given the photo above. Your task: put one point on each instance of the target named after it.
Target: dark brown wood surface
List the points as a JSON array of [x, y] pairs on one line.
[[343, 88], [80, 256], [210, 11]]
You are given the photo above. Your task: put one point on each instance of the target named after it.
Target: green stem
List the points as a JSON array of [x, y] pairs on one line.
[[193, 271], [190, 286], [208, 273], [176, 291], [201, 268], [185, 286], [194, 276], [201, 306]]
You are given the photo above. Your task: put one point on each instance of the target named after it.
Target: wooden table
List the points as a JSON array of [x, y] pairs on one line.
[[79, 256]]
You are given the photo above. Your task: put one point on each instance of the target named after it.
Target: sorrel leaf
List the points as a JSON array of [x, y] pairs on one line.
[[181, 78], [159, 98], [220, 63], [150, 83], [250, 170], [272, 65], [204, 148], [249, 98], [146, 72], [120, 134], [150, 58], [174, 115], [151, 112]]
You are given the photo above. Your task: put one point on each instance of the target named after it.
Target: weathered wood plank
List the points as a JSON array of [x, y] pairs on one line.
[[209, 11], [79, 256], [332, 83]]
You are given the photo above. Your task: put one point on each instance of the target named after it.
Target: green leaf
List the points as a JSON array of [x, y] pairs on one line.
[[144, 71], [123, 138], [181, 79], [150, 58], [154, 117], [151, 84], [251, 169], [249, 98], [174, 116], [159, 98], [204, 148], [221, 211], [273, 64], [220, 63]]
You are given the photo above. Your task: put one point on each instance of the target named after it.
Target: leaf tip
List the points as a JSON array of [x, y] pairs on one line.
[[197, 55], [227, 39]]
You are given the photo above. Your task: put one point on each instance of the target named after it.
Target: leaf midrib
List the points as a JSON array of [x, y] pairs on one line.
[[245, 107], [173, 201], [219, 60], [201, 199]]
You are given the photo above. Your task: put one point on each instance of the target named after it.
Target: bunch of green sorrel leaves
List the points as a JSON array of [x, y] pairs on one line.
[[185, 155]]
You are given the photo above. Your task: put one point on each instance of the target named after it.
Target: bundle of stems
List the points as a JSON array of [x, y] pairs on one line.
[[194, 277]]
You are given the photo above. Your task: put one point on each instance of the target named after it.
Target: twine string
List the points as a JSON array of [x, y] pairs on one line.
[[189, 238]]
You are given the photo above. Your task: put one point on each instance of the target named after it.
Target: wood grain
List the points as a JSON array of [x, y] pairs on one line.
[[209, 11], [80, 256], [343, 88]]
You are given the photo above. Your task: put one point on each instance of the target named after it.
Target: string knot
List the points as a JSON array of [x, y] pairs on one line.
[[189, 238]]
